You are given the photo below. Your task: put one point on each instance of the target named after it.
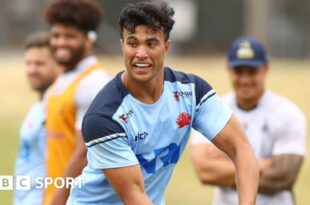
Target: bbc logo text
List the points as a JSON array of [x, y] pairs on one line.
[[28, 182]]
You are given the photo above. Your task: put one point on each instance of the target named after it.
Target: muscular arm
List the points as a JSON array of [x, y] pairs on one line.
[[129, 185], [282, 175], [74, 168], [278, 173], [232, 140], [212, 165]]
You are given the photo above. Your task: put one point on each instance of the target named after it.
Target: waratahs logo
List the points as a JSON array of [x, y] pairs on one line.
[[126, 116], [185, 94], [176, 95], [183, 119]]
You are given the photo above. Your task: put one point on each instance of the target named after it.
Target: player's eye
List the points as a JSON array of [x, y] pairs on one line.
[[70, 36], [132, 44], [152, 44], [54, 35]]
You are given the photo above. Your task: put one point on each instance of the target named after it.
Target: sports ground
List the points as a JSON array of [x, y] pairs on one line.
[[290, 78]]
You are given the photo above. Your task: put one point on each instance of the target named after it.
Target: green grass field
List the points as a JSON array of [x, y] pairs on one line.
[[289, 78]]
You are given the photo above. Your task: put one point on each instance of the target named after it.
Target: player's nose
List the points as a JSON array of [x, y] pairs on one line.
[[141, 52], [59, 41], [31, 68]]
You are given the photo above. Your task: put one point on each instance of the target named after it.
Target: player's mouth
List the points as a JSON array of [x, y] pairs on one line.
[[246, 88], [62, 54], [142, 67]]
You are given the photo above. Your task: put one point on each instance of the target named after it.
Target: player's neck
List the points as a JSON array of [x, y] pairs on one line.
[[148, 92], [41, 94], [251, 103]]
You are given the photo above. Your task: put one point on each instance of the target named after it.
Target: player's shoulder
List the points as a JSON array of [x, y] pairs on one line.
[[98, 121], [97, 77], [229, 98], [281, 106], [109, 98], [201, 87], [178, 76]]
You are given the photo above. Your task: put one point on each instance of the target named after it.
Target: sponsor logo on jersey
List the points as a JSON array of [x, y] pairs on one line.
[[126, 116], [184, 94], [183, 119], [141, 136], [166, 155]]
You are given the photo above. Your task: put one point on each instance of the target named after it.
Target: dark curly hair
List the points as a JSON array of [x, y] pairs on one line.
[[154, 14], [84, 15]]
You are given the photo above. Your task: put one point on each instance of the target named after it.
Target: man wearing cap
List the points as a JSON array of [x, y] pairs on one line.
[[275, 127]]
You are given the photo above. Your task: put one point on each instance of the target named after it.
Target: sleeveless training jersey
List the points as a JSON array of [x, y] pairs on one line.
[[67, 101]]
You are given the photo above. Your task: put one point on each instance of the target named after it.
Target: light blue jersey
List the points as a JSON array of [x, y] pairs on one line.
[[31, 155], [121, 131]]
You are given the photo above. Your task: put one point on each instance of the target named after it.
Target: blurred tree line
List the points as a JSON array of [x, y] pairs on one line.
[[202, 27]]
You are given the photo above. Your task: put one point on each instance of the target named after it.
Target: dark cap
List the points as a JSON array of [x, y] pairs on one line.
[[247, 51]]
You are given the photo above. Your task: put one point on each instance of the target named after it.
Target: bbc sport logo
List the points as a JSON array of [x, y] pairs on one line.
[[27, 183]]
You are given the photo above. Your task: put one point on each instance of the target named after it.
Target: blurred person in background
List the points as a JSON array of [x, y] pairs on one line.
[[275, 128], [41, 71], [73, 25], [136, 136]]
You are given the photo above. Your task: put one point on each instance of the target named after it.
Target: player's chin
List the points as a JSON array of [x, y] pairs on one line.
[[142, 78], [245, 91], [63, 60], [141, 75], [247, 95], [36, 86]]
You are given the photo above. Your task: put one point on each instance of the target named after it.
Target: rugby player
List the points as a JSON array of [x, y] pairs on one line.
[[274, 125], [73, 26], [136, 136], [41, 71]]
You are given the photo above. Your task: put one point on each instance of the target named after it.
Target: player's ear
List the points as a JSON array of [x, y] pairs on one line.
[[122, 43], [267, 67], [228, 69], [167, 45], [89, 45], [227, 66]]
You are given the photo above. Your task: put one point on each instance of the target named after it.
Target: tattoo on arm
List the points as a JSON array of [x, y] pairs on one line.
[[282, 175]]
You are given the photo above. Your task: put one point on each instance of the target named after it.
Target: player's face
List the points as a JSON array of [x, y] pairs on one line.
[[248, 82], [69, 45], [40, 68], [144, 52]]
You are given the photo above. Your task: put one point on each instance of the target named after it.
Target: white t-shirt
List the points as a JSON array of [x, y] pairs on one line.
[[275, 126], [87, 89]]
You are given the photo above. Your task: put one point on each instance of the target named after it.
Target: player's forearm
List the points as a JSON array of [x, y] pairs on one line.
[[128, 183], [247, 175], [60, 197], [135, 198], [76, 164], [221, 172], [267, 186], [232, 140], [217, 172], [74, 168], [282, 175]]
